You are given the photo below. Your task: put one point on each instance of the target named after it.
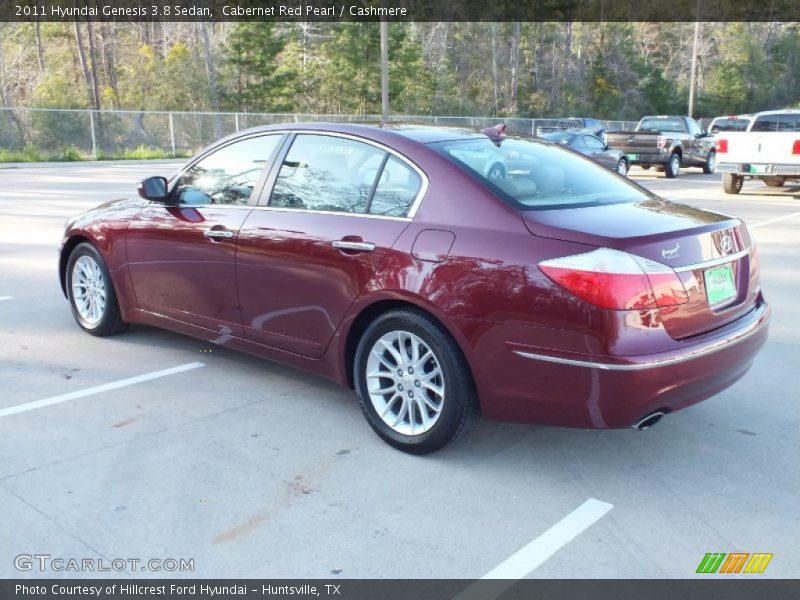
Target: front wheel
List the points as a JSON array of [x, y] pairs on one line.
[[413, 383], [91, 292], [731, 183], [710, 164], [622, 167], [673, 165], [774, 181]]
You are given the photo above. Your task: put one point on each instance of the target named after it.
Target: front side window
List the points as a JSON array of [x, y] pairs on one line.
[[327, 173], [228, 175], [542, 175]]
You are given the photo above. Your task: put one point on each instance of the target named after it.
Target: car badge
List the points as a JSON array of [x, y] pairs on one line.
[[671, 252], [726, 244]]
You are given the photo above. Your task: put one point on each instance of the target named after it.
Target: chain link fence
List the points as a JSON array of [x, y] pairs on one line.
[[48, 134]]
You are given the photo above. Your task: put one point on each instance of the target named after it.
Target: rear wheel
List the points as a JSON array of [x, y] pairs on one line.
[[673, 165], [645, 167], [732, 183], [774, 181], [413, 383], [91, 292], [622, 167], [710, 164]]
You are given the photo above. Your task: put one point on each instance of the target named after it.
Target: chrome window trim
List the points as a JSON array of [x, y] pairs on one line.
[[713, 263], [412, 211], [653, 364]]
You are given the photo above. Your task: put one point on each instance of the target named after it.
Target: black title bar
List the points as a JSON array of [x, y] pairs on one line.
[[400, 10]]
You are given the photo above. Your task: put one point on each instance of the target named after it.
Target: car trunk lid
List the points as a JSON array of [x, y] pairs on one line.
[[711, 253]]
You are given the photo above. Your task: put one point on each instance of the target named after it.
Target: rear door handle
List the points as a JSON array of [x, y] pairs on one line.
[[218, 234], [354, 246]]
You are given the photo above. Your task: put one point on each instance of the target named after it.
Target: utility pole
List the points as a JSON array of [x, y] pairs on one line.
[[384, 72], [693, 75]]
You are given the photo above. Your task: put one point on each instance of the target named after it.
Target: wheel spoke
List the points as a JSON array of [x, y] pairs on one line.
[[393, 351], [436, 389], [390, 404], [382, 360]]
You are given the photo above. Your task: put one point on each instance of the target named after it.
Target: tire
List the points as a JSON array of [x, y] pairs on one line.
[[774, 181], [91, 294], [496, 172], [645, 167], [731, 183], [622, 167], [440, 388], [711, 163], [672, 166]]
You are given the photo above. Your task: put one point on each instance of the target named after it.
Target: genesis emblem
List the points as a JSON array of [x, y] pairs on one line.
[[726, 244], [671, 252]]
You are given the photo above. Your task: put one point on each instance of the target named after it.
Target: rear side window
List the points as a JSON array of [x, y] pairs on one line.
[[539, 175], [398, 186], [332, 174], [328, 174]]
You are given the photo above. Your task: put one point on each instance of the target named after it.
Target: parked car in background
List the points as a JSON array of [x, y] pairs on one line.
[[668, 143], [730, 123], [768, 151], [592, 147], [593, 126], [387, 260]]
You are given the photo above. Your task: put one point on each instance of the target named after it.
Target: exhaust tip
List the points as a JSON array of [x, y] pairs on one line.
[[648, 421]]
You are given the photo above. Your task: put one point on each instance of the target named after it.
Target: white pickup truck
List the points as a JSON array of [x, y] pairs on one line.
[[768, 150]]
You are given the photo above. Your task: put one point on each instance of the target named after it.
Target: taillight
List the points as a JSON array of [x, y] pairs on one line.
[[617, 280], [722, 146], [661, 141], [796, 147]]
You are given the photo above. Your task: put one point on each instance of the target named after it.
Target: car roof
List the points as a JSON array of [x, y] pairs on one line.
[[777, 112], [418, 133]]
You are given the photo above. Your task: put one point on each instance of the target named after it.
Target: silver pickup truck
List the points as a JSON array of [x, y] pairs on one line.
[[768, 151]]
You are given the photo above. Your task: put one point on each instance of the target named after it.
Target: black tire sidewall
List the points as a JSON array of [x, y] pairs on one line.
[[668, 167], [457, 382], [110, 322]]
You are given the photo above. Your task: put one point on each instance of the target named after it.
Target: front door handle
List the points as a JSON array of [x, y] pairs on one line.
[[215, 234], [354, 246]]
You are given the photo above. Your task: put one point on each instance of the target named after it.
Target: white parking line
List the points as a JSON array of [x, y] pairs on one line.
[[20, 408], [775, 220], [526, 559]]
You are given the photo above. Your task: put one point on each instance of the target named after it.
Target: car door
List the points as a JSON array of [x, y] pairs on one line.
[[336, 207], [697, 143], [181, 254]]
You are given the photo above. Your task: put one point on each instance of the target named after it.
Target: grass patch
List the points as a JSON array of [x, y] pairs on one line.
[[72, 154]]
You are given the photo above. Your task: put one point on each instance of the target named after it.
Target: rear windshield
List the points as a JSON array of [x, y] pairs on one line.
[[777, 122], [535, 175], [560, 137], [729, 125], [657, 125]]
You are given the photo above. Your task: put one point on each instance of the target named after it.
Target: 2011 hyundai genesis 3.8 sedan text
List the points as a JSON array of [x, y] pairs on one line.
[[396, 262]]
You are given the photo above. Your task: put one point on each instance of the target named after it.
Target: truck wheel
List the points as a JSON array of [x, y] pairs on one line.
[[732, 184], [673, 165], [774, 181], [645, 167], [710, 164]]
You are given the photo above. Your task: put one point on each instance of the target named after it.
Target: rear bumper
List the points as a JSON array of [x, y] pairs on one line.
[[763, 169], [612, 392], [646, 159]]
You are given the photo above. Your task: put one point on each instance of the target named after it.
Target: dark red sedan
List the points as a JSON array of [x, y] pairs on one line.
[[388, 260]]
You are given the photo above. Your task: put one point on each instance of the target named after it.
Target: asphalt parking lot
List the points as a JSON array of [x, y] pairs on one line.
[[251, 469]]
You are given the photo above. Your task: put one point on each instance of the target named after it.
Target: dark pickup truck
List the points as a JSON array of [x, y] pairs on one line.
[[669, 142]]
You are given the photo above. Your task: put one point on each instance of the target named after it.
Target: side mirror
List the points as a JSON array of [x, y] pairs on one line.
[[153, 189]]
